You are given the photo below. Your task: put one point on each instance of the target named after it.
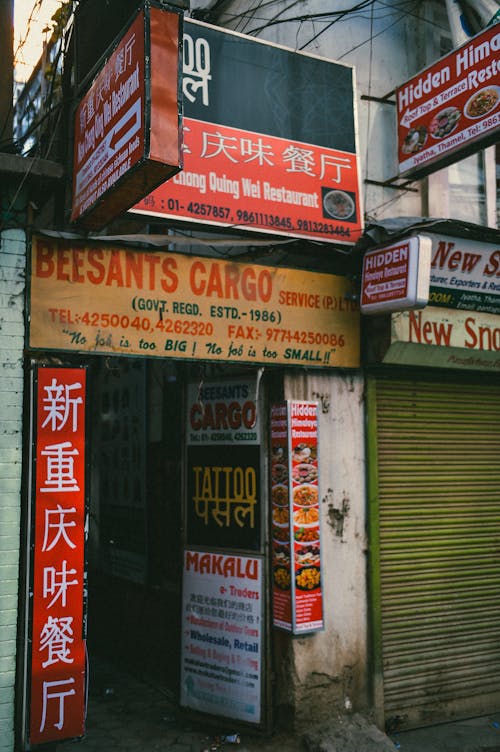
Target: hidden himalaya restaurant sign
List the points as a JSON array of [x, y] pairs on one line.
[[269, 141], [451, 108], [297, 593]]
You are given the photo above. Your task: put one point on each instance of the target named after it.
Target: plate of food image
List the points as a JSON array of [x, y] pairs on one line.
[[279, 494], [305, 472], [307, 534], [307, 554], [281, 533], [308, 578], [306, 516], [304, 453], [482, 102], [281, 554], [338, 204], [444, 122], [282, 578], [279, 473], [415, 140], [281, 515], [305, 496]]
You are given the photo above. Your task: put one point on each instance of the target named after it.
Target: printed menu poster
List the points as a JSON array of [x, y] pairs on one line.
[[296, 536], [222, 635]]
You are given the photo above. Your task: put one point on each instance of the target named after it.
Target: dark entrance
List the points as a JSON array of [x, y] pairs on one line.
[[134, 547]]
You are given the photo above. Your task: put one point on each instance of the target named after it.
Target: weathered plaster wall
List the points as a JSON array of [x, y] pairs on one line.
[[327, 671], [12, 284]]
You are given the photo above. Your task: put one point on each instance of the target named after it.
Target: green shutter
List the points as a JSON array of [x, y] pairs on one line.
[[435, 534]]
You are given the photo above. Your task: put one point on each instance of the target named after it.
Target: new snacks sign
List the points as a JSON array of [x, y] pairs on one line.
[[450, 109]]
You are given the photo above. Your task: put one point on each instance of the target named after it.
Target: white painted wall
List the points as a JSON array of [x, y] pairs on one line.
[[12, 285], [329, 669], [384, 44]]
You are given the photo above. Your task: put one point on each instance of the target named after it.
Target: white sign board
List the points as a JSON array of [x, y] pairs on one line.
[[222, 634], [396, 277], [465, 274], [445, 338]]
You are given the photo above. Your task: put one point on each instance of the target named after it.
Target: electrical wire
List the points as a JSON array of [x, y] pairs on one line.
[[280, 13]]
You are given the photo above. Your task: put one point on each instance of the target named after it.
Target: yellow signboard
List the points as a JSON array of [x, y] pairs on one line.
[[100, 299]]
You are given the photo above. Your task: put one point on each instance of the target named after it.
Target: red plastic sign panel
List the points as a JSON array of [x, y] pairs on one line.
[[269, 141], [296, 532], [57, 709], [127, 124], [450, 108], [396, 277]]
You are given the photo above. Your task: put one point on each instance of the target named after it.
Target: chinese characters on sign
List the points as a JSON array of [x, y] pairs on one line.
[[127, 124], [130, 302], [222, 635], [296, 539], [269, 141], [58, 643]]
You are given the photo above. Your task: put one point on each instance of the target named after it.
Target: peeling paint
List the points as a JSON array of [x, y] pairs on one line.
[[338, 515], [324, 400]]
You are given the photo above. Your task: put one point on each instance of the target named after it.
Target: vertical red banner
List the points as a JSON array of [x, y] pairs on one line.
[[280, 514], [296, 529], [307, 590], [57, 709]]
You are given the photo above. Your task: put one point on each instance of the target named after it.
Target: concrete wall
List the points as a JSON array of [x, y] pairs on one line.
[[327, 671], [384, 45], [12, 285]]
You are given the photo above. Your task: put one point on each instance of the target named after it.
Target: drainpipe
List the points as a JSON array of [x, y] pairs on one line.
[[460, 30]]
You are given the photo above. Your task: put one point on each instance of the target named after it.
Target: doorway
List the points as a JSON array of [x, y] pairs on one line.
[[135, 539]]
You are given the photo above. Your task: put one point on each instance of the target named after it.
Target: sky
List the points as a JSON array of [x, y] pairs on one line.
[[28, 55]]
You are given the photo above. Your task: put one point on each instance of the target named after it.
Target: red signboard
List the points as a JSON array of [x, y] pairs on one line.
[[269, 141], [450, 108], [396, 277], [57, 709], [127, 125], [271, 194], [297, 590]]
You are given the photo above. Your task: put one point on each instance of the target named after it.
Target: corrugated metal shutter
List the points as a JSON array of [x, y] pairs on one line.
[[438, 447]]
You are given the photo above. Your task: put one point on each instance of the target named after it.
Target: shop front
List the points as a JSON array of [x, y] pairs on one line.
[[433, 398], [149, 510]]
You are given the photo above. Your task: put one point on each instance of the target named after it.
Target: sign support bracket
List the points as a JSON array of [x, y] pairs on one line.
[[391, 183]]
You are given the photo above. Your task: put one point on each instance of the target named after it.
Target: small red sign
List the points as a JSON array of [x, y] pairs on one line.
[[450, 106], [128, 121], [396, 277], [57, 708]]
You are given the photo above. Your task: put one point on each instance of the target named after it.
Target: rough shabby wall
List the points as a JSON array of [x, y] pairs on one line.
[[326, 672], [12, 285]]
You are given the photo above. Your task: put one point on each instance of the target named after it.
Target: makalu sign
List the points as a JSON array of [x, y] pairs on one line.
[[450, 109], [127, 125], [269, 141]]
